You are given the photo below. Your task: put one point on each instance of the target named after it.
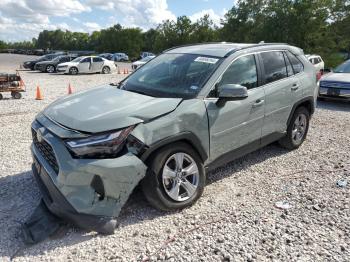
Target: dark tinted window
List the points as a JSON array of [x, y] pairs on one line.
[[296, 64], [290, 71], [65, 59], [241, 72], [275, 66], [97, 59], [86, 60]]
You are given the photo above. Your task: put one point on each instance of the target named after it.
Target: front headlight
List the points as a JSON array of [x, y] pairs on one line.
[[106, 145]]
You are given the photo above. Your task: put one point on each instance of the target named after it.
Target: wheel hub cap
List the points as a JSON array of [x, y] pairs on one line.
[[180, 177]]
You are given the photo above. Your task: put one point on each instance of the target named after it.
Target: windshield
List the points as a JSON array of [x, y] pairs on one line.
[[77, 59], [57, 59], [172, 75], [343, 68]]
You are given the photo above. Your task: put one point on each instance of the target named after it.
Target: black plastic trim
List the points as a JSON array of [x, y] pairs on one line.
[[189, 137], [309, 99]]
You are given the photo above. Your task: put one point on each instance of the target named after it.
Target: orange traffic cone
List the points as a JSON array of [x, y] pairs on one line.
[[21, 83], [39, 96], [127, 71], [70, 89], [124, 71]]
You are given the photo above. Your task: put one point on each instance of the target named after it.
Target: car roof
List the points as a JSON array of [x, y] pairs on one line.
[[225, 49]]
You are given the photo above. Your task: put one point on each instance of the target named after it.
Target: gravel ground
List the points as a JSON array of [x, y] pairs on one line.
[[236, 218]]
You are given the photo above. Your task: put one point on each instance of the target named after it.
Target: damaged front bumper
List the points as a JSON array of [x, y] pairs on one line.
[[87, 192]]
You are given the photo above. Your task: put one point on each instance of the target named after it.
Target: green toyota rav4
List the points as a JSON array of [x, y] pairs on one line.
[[190, 109]]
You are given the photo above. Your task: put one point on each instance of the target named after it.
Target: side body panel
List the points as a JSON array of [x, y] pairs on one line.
[[235, 124], [189, 117]]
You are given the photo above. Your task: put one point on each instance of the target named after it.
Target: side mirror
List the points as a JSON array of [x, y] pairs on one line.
[[232, 92]]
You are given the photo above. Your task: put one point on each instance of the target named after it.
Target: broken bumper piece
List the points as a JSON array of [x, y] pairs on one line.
[[86, 192], [59, 206]]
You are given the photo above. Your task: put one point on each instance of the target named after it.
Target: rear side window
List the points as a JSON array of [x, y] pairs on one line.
[[97, 59], [242, 72], [274, 65], [296, 64], [290, 71], [65, 59]]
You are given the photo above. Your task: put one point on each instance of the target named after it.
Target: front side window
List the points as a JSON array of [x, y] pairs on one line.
[[296, 64], [172, 75], [274, 65], [241, 72], [86, 60]]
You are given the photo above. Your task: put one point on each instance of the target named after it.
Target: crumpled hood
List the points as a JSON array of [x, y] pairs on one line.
[[107, 108], [337, 77]]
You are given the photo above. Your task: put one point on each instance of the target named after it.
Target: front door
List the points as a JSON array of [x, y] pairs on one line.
[[237, 124]]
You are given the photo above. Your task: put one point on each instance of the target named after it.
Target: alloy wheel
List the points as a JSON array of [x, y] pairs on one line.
[[180, 177], [50, 69], [299, 128]]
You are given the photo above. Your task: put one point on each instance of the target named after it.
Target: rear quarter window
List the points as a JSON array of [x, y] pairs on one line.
[[298, 66]]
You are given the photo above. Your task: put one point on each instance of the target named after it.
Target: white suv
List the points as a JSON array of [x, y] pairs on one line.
[[317, 61]]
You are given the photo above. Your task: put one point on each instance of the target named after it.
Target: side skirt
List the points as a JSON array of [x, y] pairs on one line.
[[244, 150]]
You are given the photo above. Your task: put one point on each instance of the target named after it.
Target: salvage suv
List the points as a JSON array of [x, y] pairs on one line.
[[187, 111]]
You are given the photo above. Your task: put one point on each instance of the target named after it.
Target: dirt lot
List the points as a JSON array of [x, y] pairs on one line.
[[235, 220]]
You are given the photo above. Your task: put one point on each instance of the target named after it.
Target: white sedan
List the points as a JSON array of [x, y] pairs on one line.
[[141, 62], [87, 64]]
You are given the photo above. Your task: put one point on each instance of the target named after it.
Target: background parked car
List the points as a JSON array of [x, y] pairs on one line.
[[31, 64], [317, 61], [141, 62], [108, 56], [145, 54], [120, 57], [87, 64], [336, 83], [51, 65]]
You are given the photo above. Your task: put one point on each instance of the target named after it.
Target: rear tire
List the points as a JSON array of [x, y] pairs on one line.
[[73, 71], [106, 70], [297, 129], [168, 186], [1, 97], [50, 69]]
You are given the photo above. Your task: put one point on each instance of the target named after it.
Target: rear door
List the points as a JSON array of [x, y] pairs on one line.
[[97, 64], [236, 124], [278, 92], [85, 65]]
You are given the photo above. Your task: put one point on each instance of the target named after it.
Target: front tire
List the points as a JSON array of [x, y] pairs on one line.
[[175, 178], [73, 71], [297, 129]]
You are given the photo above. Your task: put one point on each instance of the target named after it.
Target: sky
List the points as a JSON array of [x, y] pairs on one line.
[[24, 19]]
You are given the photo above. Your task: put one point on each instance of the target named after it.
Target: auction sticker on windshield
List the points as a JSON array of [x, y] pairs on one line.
[[208, 60]]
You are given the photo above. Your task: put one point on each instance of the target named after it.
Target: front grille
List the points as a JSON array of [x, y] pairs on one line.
[[46, 151]]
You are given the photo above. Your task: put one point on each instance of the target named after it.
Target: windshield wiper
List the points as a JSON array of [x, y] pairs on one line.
[[138, 92]]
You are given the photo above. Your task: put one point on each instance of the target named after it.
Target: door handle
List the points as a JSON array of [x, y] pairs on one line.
[[258, 103], [295, 87]]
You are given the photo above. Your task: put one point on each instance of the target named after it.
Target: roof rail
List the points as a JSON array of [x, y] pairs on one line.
[[194, 44], [262, 43]]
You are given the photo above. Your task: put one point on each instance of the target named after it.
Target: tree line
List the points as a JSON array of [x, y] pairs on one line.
[[317, 26]]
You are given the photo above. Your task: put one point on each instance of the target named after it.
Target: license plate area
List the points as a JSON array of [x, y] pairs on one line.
[[333, 92]]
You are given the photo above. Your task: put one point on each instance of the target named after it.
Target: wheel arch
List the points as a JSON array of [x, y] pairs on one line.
[[186, 137], [307, 102]]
